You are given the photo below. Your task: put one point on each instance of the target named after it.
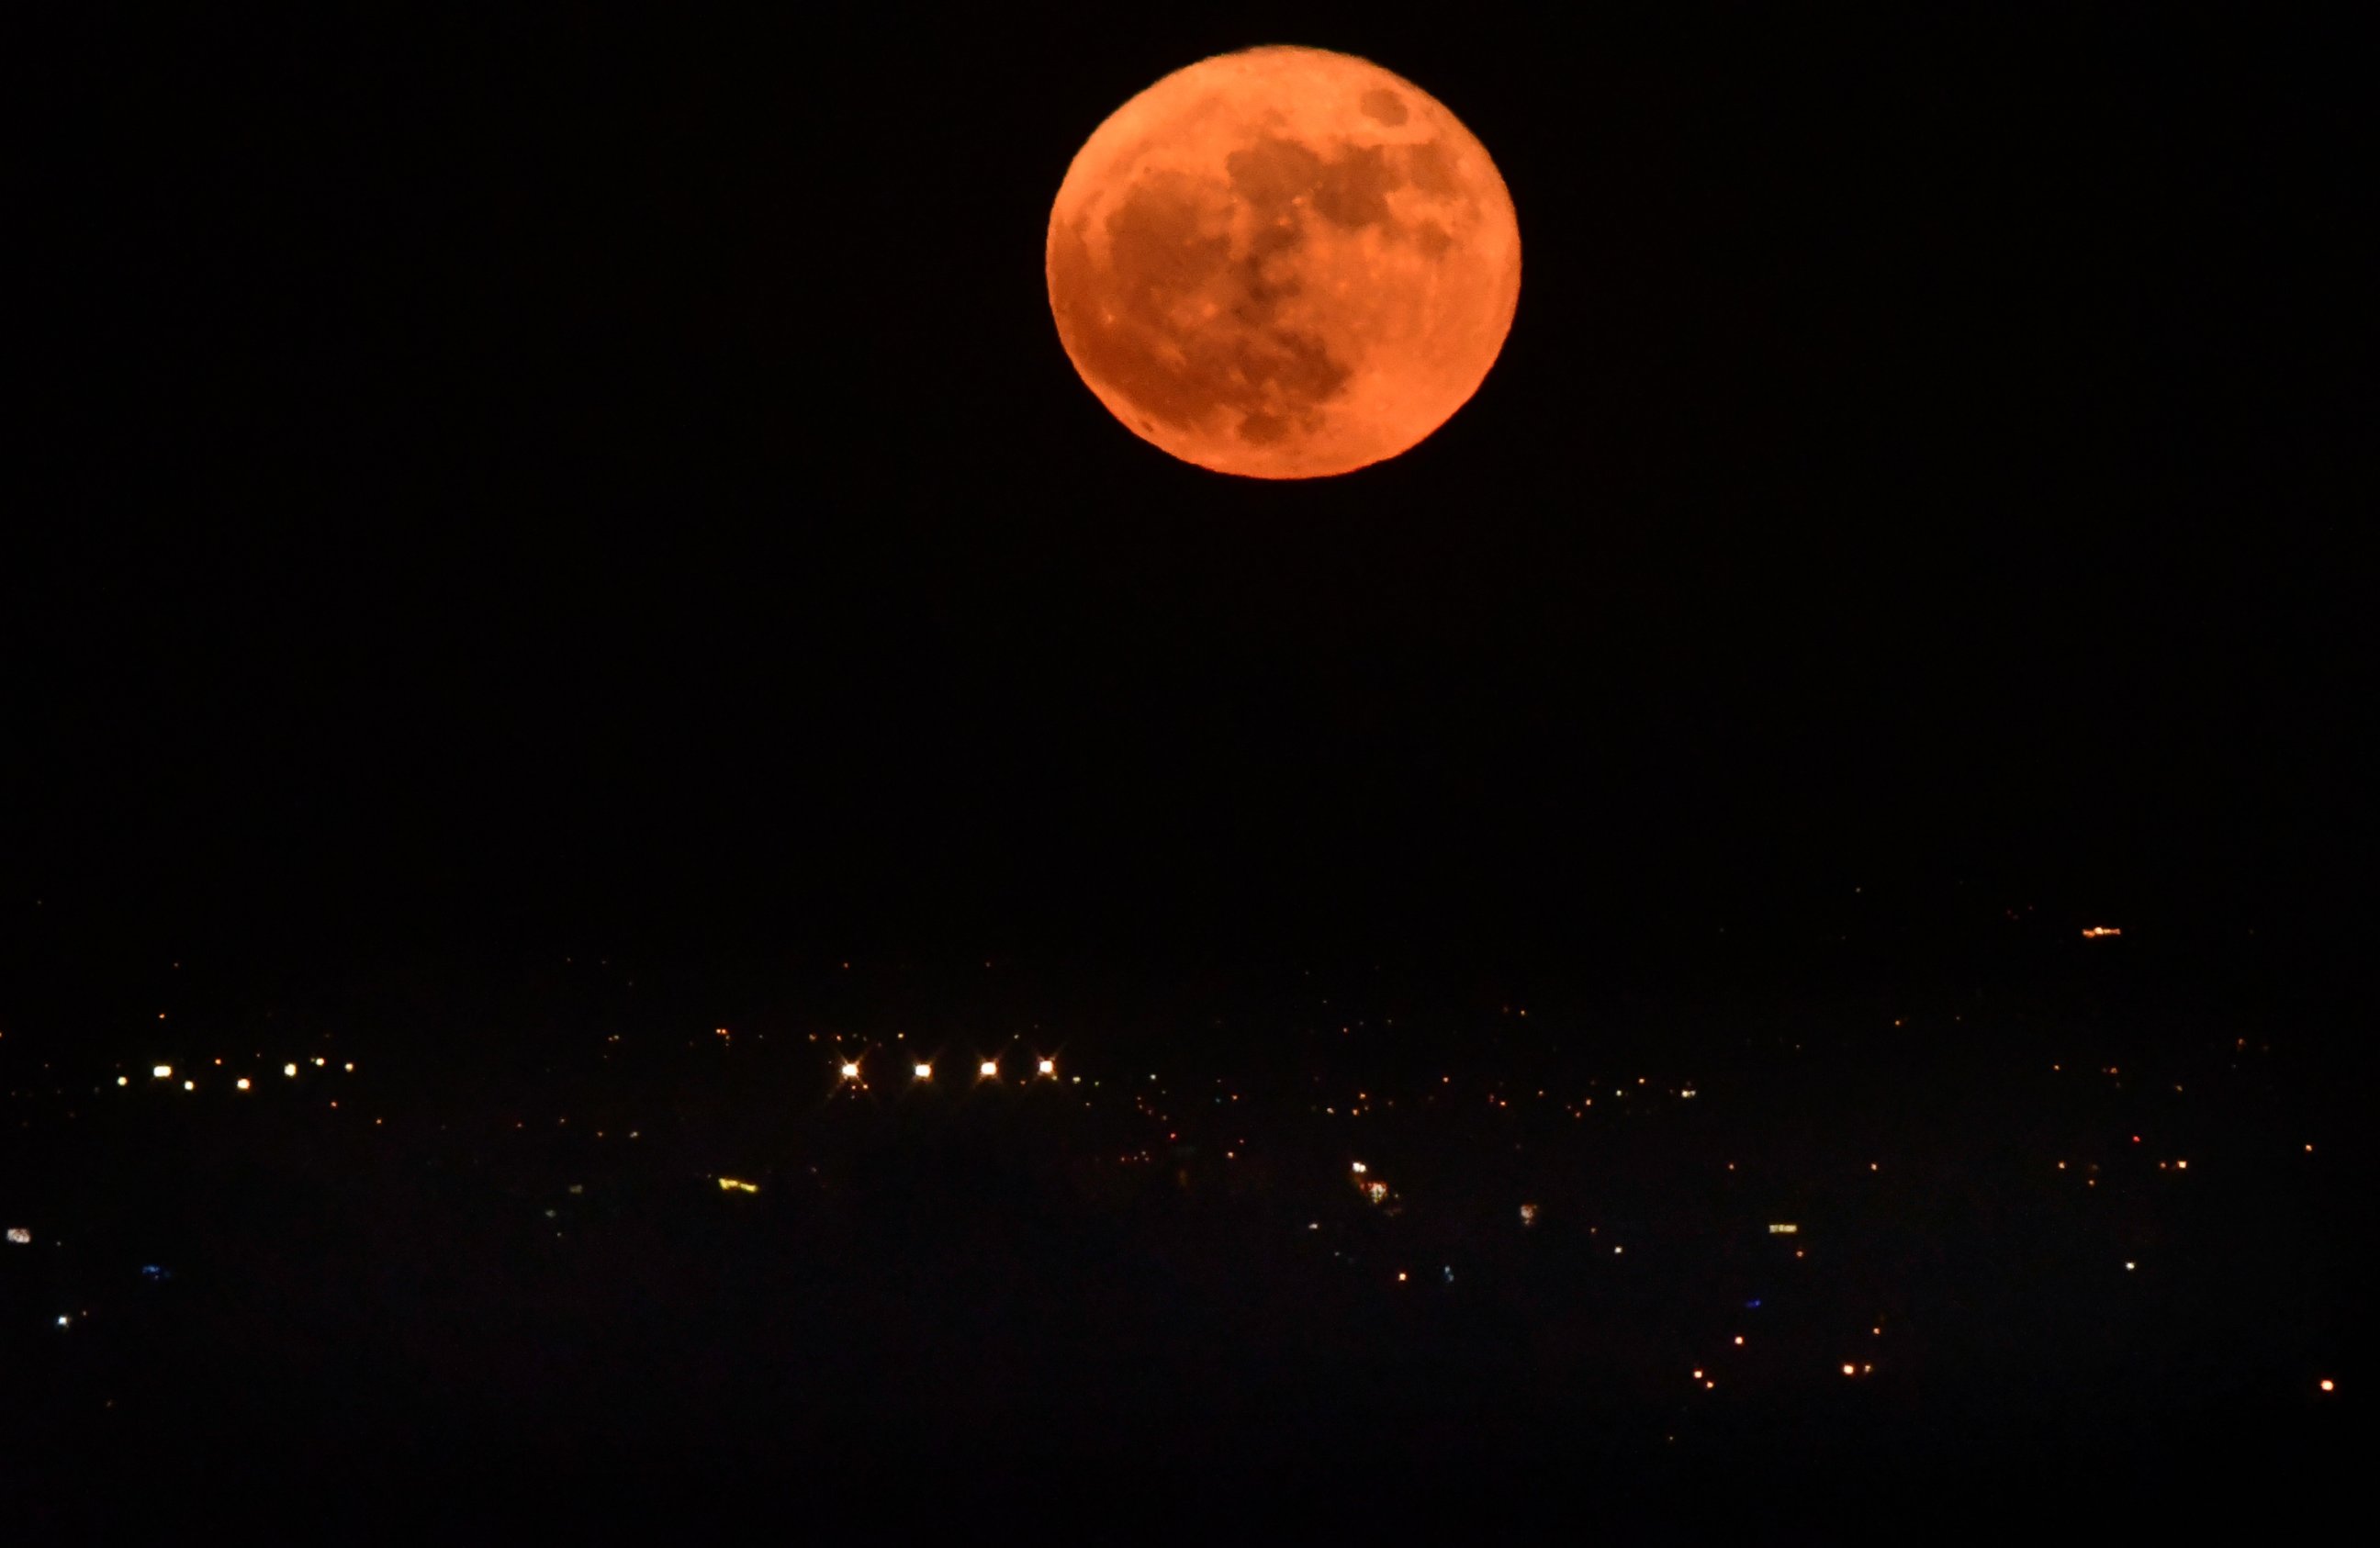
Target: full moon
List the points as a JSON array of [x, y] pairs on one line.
[[1284, 263]]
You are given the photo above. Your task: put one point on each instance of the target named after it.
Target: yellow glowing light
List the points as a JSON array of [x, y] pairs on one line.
[[924, 1071], [24, 1238], [1401, 1277], [1048, 1066], [190, 1086], [2181, 1166], [1360, 1168], [1378, 1192], [1850, 1370], [2327, 1384], [351, 1068], [1528, 1214], [988, 1069], [243, 1082], [318, 1064], [1782, 1229], [737, 1185], [165, 1072], [850, 1071], [1739, 1339], [1698, 1375], [2100, 932], [123, 1081], [290, 1069]]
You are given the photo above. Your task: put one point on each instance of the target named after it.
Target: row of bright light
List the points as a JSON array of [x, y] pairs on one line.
[[988, 1069], [165, 1072]]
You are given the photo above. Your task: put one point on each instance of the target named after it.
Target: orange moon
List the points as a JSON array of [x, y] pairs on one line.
[[1284, 263]]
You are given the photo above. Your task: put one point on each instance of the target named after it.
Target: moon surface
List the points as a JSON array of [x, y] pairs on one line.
[[1284, 263]]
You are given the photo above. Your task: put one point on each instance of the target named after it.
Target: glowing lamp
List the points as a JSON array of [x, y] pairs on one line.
[[242, 1083], [1048, 1066], [925, 1072], [290, 1069], [988, 1069], [850, 1071], [163, 1071]]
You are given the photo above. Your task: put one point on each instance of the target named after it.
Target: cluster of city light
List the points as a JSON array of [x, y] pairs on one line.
[[737, 1185]]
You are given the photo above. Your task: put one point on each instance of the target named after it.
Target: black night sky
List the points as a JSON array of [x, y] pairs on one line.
[[498, 494]]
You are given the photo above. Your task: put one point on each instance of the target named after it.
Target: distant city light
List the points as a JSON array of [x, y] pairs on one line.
[[988, 1069], [20, 1236], [1782, 1228], [351, 1068], [1048, 1066], [190, 1086], [122, 1081], [1359, 1168], [318, 1063], [2327, 1384], [1850, 1370], [850, 1069], [290, 1069], [2100, 932], [1376, 1192], [165, 1072], [1528, 1214], [737, 1185], [925, 1072], [242, 1083], [2129, 1266]]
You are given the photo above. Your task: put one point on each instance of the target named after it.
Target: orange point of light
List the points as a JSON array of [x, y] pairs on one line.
[[2329, 1386]]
